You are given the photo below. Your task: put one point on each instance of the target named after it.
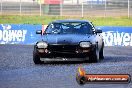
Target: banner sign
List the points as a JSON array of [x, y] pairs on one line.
[[117, 35], [26, 34], [18, 34]]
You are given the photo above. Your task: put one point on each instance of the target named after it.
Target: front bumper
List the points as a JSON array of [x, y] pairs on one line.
[[64, 50]]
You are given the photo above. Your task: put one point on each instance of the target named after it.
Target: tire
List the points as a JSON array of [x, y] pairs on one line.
[[101, 55], [36, 58], [94, 56]]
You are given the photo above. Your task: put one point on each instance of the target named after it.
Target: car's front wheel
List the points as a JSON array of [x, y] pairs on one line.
[[94, 55], [36, 58]]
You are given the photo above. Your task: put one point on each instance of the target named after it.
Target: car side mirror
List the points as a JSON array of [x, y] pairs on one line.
[[98, 31], [39, 32]]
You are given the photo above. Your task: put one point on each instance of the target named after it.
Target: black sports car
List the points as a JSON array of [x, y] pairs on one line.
[[69, 38]]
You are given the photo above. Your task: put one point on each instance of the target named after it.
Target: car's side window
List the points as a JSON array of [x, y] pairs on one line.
[[53, 28], [48, 29]]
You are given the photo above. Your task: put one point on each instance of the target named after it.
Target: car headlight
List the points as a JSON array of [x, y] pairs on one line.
[[42, 45], [85, 44]]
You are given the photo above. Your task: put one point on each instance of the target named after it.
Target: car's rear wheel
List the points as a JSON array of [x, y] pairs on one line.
[[94, 55], [36, 58], [101, 55]]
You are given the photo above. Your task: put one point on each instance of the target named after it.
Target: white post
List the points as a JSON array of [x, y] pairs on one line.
[[105, 8], [20, 7], [60, 8], [1, 7], [128, 8], [40, 8], [82, 9], [91, 4]]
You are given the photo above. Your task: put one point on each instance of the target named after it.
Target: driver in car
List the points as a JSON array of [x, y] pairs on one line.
[[56, 28]]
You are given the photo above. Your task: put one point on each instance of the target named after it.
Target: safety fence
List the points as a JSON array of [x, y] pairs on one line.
[[98, 8], [26, 34]]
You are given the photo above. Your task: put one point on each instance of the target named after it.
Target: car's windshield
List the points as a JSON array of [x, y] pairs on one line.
[[70, 28]]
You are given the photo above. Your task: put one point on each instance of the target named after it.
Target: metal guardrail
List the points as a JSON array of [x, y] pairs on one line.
[[102, 8]]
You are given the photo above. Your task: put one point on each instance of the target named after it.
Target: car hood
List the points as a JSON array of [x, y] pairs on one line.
[[66, 38]]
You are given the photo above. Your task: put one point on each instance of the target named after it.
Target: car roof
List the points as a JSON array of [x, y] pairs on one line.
[[65, 21]]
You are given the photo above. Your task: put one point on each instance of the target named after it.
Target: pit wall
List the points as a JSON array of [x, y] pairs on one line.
[[26, 34]]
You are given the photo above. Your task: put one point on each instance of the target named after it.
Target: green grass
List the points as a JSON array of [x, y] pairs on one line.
[[97, 21]]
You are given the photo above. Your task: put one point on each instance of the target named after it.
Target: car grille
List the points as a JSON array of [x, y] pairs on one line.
[[63, 48]]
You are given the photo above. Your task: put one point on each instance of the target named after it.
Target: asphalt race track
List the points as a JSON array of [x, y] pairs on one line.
[[17, 69]]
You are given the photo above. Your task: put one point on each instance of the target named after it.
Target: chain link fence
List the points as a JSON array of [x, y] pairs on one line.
[[90, 8]]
